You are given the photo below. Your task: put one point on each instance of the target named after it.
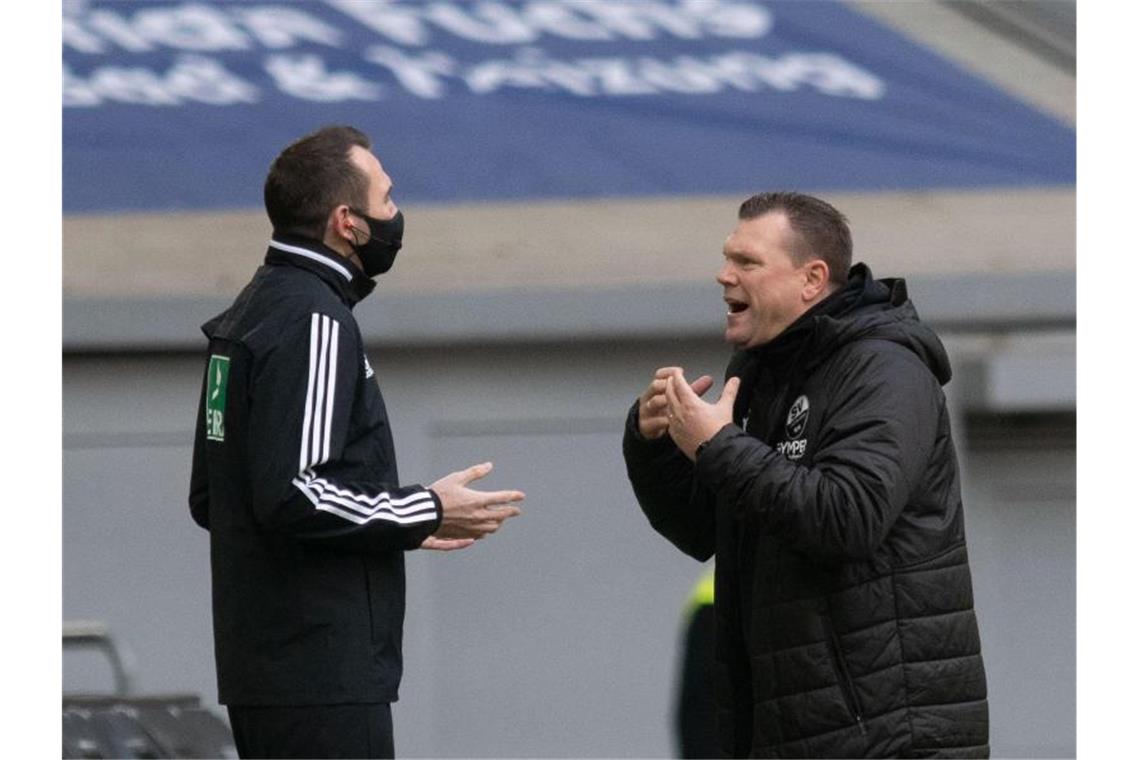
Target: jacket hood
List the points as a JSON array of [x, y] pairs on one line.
[[870, 308], [864, 308]]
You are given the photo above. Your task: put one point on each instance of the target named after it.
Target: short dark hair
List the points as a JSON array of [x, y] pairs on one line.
[[822, 229], [311, 177]]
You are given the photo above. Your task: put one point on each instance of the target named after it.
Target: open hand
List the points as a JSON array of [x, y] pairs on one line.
[[469, 514]]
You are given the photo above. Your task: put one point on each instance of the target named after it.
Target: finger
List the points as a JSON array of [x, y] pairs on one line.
[[475, 472], [450, 544], [446, 544], [728, 395], [702, 384], [658, 403], [655, 388], [487, 498], [499, 512], [683, 392], [672, 396], [665, 372]]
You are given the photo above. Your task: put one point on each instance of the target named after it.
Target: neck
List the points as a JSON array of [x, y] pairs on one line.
[[342, 246]]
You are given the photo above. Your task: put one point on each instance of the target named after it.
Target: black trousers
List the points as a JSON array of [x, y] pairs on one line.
[[313, 731]]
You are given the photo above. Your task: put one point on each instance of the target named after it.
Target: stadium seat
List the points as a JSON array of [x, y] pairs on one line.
[[143, 727]]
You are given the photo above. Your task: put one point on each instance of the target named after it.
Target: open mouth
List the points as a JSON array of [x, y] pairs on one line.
[[734, 306]]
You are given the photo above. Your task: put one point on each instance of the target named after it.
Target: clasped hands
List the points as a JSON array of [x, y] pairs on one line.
[[673, 405]]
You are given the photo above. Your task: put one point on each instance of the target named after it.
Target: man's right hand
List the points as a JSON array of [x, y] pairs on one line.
[[468, 513], [653, 406]]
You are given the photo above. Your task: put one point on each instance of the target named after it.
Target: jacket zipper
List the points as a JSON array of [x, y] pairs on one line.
[[846, 685]]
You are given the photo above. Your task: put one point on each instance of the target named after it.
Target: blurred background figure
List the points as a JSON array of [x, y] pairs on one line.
[[568, 169], [695, 711]]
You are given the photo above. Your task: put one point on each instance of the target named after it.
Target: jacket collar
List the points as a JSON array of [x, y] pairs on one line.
[[351, 284]]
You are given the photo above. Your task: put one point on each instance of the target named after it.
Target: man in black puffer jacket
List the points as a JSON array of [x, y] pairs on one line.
[[826, 483]]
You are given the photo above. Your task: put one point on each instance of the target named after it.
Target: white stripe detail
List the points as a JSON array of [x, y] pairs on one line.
[[311, 255], [378, 516], [319, 399], [416, 502], [316, 437], [305, 429], [320, 395], [331, 395], [385, 508]]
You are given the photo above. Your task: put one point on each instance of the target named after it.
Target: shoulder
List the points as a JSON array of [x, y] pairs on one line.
[[878, 357], [880, 373], [288, 307]]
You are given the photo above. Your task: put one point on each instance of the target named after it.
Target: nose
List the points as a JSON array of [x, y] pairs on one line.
[[726, 276]]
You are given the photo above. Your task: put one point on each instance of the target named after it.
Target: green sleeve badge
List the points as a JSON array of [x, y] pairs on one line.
[[218, 377]]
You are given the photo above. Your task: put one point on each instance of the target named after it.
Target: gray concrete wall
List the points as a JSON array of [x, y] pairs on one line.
[[557, 637]]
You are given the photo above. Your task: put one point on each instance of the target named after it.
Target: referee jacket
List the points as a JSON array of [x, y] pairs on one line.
[[294, 476]]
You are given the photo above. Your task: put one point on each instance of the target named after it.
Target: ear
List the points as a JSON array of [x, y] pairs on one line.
[[339, 225], [817, 275]]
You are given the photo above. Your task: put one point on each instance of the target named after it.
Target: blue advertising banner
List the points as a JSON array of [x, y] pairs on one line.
[[182, 105]]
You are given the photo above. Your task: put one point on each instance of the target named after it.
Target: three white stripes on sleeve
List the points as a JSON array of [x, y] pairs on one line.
[[316, 432]]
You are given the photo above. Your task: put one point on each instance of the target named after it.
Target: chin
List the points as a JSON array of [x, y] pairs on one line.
[[739, 341], [755, 342]]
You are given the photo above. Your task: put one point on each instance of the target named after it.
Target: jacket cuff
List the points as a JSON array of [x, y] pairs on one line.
[[715, 463], [438, 513]]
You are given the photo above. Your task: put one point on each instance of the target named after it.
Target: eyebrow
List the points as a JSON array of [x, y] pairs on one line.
[[736, 253]]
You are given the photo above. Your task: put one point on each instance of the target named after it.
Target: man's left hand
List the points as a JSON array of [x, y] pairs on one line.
[[691, 420]]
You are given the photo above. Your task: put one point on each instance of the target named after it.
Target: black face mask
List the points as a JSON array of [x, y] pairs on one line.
[[385, 236]]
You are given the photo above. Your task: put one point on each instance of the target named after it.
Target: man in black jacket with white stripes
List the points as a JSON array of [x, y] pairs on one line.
[[294, 472], [825, 482]]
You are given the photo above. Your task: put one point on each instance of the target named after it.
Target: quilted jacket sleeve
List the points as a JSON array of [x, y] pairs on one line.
[[677, 506]]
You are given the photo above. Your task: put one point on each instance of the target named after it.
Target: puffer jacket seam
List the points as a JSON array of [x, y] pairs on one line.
[[939, 614], [864, 629], [982, 750], [831, 686], [799, 693], [902, 656], [814, 597], [780, 697], [945, 659], [956, 747], [808, 737], [907, 568], [953, 704], [957, 545], [889, 621]]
